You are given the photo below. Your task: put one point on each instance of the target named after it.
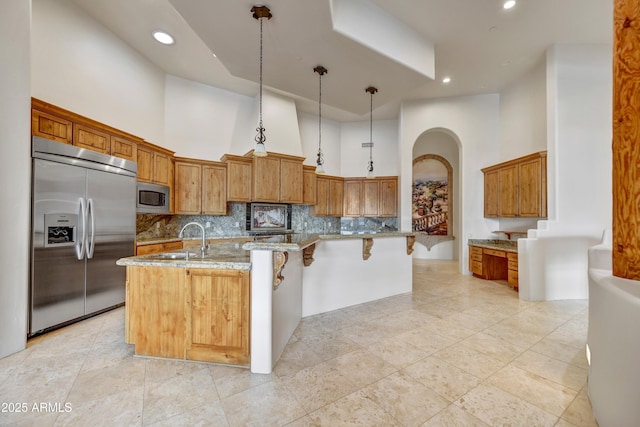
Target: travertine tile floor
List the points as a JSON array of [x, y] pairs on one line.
[[458, 351]]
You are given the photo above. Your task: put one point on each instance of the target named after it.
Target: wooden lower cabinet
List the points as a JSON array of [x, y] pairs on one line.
[[494, 264], [154, 311], [512, 269], [193, 314], [217, 323]]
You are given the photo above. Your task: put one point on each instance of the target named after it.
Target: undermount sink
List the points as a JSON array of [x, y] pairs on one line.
[[173, 255]]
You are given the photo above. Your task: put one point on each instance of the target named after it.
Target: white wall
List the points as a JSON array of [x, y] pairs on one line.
[[79, 65], [331, 130], [442, 144], [206, 122], [15, 174], [474, 121], [355, 158], [523, 120], [579, 85]]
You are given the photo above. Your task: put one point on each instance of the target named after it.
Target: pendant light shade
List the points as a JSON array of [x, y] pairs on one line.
[[320, 159], [371, 90], [260, 12]]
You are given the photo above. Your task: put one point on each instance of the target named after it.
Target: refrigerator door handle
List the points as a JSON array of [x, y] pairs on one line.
[[91, 244], [80, 243]]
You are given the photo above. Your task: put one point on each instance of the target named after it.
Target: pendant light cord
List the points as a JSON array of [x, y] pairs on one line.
[[260, 138]]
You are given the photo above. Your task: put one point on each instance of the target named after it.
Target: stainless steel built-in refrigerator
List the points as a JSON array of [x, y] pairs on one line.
[[83, 220]]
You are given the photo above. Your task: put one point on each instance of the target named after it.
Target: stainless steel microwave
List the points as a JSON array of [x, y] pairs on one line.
[[152, 198]]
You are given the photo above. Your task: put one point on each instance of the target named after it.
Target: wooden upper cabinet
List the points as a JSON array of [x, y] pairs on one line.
[[532, 187], [51, 127], [238, 177], [162, 168], [352, 198], [309, 185], [188, 188], [274, 178], [92, 139], [377, 197], [214, 189], [388, 197], [321, 208], [517, 188], [57, 124], [491, 194], [124, 148], [155, 164], [266, 179], [200, 187], [329, 196], [336, 197], [145, 164], [508, 191], [370, 197], [291, 180]]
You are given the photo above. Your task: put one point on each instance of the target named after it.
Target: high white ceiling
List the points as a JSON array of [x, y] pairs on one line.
[[481, 46]]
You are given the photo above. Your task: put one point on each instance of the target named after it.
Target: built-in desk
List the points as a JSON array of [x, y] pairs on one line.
[[494, 260]]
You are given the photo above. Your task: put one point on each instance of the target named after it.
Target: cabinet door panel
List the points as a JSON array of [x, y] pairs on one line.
[[266, 179], [239, 181], [188, 187], [508, 190], [322, 197], [353, 198], [51, 127], [123, 148], [214, 190], [370, 198], [218, 325], [162, 168], [491, 194], [336, 197], [530, 188], [291, 181], [145, 165], [309, 180], [388, 204], [91, 139]]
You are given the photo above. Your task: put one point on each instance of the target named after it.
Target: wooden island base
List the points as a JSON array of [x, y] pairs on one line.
[[189, 313]]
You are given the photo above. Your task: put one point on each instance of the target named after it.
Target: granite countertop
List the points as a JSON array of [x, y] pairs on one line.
[[299, 241], [501, 245], [223, 256], [235, 254]]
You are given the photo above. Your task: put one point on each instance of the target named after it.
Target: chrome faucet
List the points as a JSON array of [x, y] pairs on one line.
[[203, 249]]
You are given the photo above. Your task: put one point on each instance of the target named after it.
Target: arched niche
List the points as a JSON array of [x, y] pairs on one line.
[[435, 194]]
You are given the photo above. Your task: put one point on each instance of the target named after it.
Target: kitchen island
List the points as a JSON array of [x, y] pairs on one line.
[[242, 301]]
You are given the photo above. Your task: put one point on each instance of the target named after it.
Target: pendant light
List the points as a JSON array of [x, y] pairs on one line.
[[260, 12], [320, 160], [371, 90]]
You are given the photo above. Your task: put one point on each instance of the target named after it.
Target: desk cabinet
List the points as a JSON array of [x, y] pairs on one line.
[[494, 264]]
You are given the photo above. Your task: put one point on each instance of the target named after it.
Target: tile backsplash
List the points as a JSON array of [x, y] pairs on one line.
[[149, 227]]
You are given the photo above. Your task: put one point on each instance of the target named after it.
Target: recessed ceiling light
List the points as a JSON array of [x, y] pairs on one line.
[[163, 37], [446, 80], [509, 4]]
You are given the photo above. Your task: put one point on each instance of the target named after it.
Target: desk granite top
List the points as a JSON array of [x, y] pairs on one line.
[[501, 245]]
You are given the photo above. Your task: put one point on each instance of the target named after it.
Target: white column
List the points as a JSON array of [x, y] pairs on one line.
[[261, 311]]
